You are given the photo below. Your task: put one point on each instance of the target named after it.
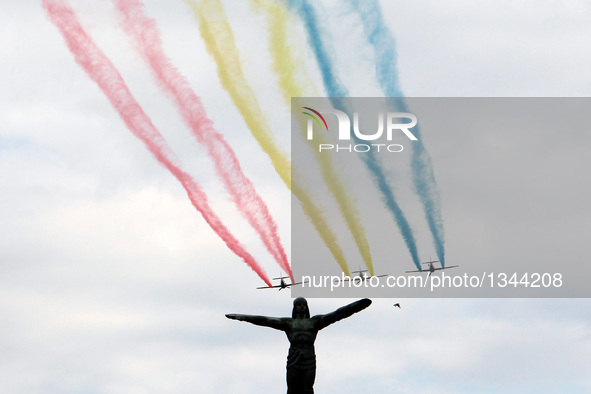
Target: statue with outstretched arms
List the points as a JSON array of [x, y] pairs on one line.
[[301, 331]]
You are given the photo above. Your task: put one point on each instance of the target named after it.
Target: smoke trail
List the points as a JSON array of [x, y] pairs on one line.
[[287, 66], [217, 34], [219, 39], [382, 41], [284, 65], [317, 39], [316, 217], [346, 206], [99, 68], [147, 38]]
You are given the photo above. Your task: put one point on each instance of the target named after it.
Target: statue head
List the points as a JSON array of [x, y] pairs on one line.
[[300, 308]]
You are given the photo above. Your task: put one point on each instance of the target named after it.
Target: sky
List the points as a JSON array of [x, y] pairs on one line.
[[111, 282]]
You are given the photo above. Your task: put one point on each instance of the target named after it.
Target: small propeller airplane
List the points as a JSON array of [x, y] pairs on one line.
[[282, 284], [362, 275], [432, 268]]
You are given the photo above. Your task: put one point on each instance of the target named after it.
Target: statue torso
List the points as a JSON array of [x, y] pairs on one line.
[[301, 334]]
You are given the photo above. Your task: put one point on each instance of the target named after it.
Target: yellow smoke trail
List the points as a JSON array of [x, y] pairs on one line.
[[291, 81], [288, 67], [217, 34], [219, 39], [346, 205]]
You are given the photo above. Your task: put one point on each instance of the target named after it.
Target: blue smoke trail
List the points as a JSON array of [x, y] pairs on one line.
[[383, 43], [316, 35], [317, 39]]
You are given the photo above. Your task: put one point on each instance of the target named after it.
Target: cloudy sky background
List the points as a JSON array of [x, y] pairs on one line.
[[111, 282]]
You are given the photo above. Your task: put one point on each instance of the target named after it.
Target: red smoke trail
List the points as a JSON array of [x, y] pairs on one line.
[[99, 68], [147, 38]]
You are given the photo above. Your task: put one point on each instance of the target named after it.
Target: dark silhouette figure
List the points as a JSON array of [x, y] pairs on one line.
[[301, 330]]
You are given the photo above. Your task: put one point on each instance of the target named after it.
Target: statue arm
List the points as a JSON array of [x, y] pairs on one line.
[[273, 322], [341, 313]]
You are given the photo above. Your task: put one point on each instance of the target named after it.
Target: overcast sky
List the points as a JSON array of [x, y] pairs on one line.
[[111, 282]]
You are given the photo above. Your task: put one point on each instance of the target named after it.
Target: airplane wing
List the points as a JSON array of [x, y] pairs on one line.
[[434, 269], [269, 287], [279, 286], [281, 277], [444, 268], [364, 277]]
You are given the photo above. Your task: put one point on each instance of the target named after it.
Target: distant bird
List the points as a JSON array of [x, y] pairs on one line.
[[398, 305]]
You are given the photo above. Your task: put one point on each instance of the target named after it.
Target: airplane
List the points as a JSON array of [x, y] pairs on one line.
[[432, 268], [362, 276], [282, 285], [397, 305]]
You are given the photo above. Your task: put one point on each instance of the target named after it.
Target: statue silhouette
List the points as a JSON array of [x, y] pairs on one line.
[[301, 331]]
